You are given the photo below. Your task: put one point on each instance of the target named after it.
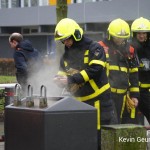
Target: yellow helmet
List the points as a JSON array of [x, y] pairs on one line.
[[119, 28], [140, 25], [67, 28]]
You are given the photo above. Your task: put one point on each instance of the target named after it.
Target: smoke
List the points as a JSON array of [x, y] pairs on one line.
[[44, 76]]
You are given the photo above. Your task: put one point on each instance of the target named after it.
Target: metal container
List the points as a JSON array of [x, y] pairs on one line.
[[2, 104], [30, 98], [9, 95], [17, 95], [65, 124]]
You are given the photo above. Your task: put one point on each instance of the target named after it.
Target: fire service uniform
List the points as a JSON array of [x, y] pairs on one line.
[[122, 70], [141, 26]]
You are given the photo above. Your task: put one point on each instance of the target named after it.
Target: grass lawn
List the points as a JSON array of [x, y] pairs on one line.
[[7, 79]]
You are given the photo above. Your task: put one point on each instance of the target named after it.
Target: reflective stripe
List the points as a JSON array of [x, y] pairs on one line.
[[84, 75], [144, 85], [97, 106], [111, 67], [107, 55], [98, 62], [62, 73], [86, 58], [107, 69], [134, 89], [93, 85], [65, 63], [141, 65], [132, 113], [123, 106], [133, 70], [86, 52], [95, 94], [119, 91]]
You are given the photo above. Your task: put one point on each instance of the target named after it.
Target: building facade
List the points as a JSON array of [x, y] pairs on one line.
[[36, 19]]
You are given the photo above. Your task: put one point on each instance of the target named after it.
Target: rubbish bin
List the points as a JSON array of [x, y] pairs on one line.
[[6, 97], [2, 104], [9, 95], [65, 124]]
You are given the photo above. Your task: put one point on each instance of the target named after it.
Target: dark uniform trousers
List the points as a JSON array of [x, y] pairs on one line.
[[144, 102], [105, 112]]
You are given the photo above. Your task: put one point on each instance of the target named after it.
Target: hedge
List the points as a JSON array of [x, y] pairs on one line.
[[7, 67]]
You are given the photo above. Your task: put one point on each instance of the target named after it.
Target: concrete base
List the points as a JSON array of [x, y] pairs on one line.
[[123, 137]]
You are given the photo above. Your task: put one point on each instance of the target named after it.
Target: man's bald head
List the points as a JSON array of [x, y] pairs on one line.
[[16, 37]]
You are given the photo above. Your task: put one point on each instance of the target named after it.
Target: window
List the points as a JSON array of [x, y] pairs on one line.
[[29, 30], [4, 3], [26, 3], [9, 30], [26, 31], [34, 3], [16, 3], [44, 2], [34, 30]]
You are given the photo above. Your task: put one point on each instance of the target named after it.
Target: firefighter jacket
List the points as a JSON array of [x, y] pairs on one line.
[[143, 52], [89, 58], [122, 68]]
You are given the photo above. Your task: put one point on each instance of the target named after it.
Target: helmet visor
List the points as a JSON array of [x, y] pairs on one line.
[[64, 39], [119, 41]]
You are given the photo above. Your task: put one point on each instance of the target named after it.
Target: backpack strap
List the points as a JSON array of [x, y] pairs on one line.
[[104, 46], [131, 50]]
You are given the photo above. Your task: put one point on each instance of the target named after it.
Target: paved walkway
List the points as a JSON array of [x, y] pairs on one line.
[[1, 145]]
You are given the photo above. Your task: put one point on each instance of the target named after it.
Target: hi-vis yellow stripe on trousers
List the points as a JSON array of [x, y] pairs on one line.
[[123, 106], [143, 85], [132, 115], [97, 106]]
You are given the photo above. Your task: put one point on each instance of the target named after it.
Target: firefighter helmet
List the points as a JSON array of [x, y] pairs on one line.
[[119, 28], [140, 25], [66, 28]]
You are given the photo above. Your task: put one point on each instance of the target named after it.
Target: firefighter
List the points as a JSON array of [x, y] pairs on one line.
[[122, 69], [83, 72], [140, 30]]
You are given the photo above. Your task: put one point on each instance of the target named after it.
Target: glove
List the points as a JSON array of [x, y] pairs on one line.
[[129, 103], [72, 88], [72, 71]]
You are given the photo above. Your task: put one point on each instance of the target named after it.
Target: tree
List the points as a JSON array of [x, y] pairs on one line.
[[61, 9], [61, 12]]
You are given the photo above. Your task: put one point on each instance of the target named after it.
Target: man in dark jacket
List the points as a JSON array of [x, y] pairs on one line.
[[25, 57], [141, 41], [82, 70]]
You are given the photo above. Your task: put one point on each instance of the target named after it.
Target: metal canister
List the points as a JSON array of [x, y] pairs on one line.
[[17, 96], [9, 95], [29, 98], [43, 98]]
